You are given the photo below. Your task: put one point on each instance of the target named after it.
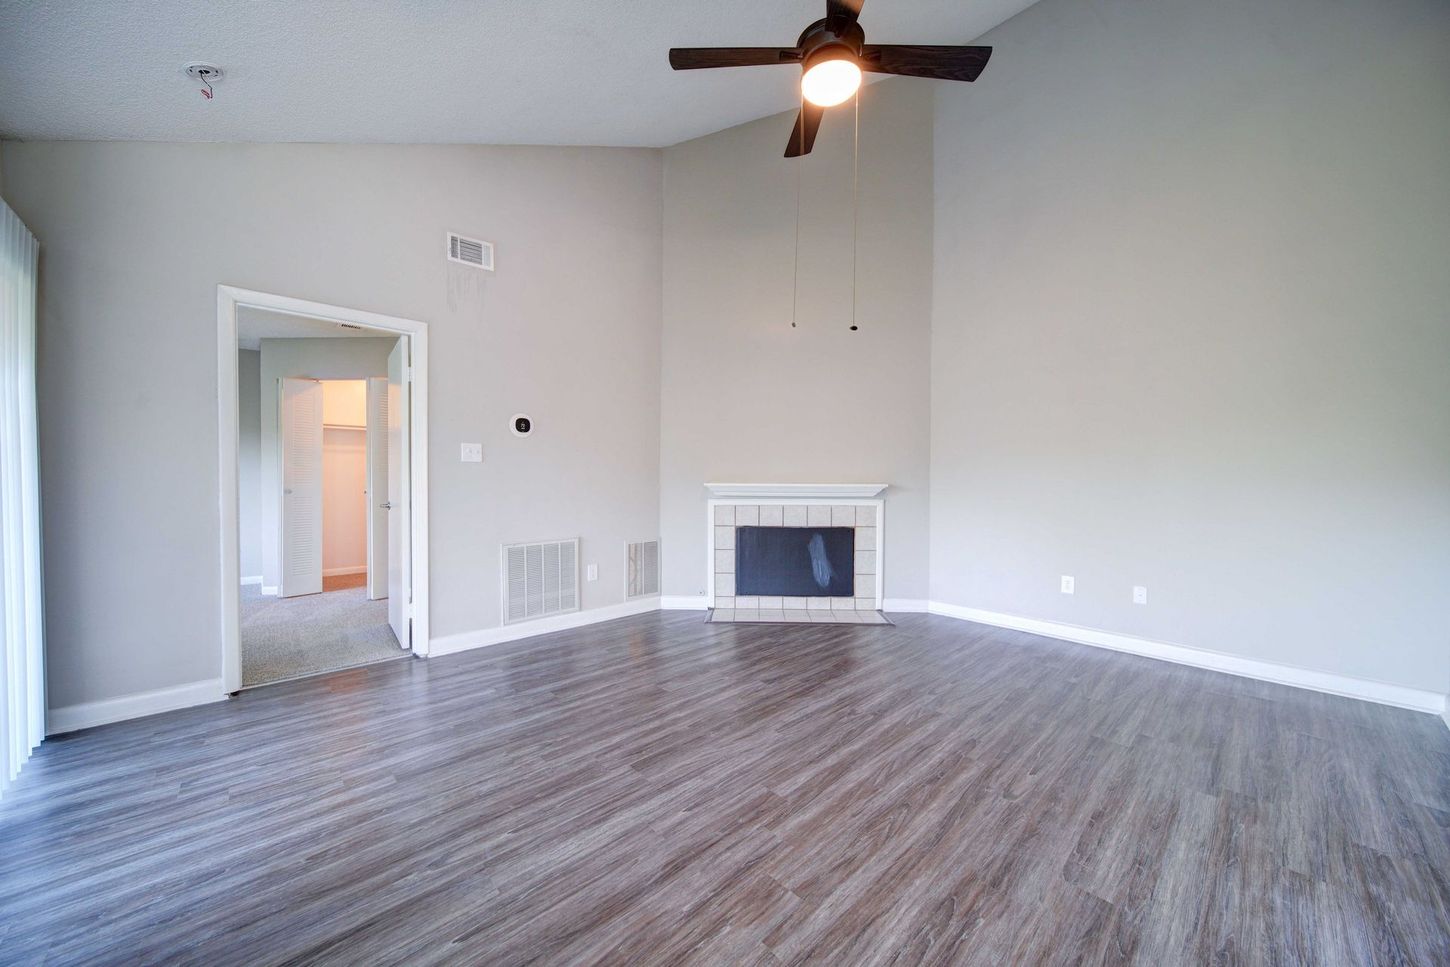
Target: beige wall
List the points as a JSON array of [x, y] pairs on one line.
[[135, 239], [746, 398], [345, 402], [1192, 328], [344, 499], [344, 474]]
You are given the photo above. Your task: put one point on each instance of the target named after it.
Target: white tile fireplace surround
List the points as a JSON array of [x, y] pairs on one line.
[[795, 505]]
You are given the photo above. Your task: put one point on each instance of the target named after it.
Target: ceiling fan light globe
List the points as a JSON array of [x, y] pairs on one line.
[[829, 82]]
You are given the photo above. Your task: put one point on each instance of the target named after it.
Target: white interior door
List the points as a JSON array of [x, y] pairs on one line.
[[377, 485], [399, 503], [300, 415]]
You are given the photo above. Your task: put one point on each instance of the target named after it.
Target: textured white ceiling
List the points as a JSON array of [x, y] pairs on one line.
[[469, 71]]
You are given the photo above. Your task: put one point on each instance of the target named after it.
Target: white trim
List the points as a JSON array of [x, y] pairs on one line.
[[229, 298], [906, 605], [1368, 690], [270, 590], [468, 640], [770, 491], [333, 572], [684, 602], [1446, 714], [252, 579], [90, 714]]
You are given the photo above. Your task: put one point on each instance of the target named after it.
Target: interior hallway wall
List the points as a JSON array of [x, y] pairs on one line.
[[1192, 328], [249, 462]]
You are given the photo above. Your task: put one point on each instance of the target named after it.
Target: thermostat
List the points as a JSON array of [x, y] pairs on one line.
[[521, 425]]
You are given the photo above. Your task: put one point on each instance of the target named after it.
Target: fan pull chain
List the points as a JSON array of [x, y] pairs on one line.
[[795, 281], [855, 203]]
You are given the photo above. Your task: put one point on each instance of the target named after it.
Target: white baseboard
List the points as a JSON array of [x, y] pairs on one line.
[[451, 644], [332, 572], [1383, 693], [269, 590], [906, 605], [87, 715], [684, 602], [254, 579]]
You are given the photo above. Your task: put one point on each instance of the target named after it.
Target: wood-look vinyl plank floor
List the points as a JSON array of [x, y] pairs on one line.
[[658, 790]]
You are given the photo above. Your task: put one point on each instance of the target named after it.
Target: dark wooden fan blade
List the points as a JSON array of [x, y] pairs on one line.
[[803, 135], [843, 10], [694, 58], [947, 63]]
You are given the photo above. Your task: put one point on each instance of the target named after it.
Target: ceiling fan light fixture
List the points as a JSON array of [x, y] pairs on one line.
[[833, 51], [829, 81]]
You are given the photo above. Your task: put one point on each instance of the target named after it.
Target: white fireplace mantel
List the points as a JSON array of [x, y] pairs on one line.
[[793, 491]]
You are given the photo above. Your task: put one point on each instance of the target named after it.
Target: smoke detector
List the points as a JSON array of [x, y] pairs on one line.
[[206, 73]]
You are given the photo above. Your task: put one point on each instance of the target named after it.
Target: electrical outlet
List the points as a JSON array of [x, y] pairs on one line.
[[471, 453], [1068, 584], [1140, 595], [591, 572]]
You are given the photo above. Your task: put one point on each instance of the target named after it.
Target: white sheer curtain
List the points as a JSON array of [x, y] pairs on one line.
[[22, 657]]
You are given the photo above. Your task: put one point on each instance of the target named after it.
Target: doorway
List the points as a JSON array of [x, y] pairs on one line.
[[324, 497]]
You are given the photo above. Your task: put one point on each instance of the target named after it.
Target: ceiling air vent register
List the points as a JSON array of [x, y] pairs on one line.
[[470, 251]]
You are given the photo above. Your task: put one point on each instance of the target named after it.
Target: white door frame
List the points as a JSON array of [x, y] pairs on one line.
[[229, 298]]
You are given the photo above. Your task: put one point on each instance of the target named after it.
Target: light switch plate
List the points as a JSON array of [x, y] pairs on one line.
[[1069, 585], [471, 453], [1140, 594], [591, 572]]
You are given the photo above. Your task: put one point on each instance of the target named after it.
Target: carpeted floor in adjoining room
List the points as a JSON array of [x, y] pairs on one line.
[[286, 638]]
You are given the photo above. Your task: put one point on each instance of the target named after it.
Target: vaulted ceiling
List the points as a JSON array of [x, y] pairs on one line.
[[462, 71]]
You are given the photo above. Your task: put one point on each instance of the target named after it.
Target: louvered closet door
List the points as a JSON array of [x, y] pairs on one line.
[[301, 443]]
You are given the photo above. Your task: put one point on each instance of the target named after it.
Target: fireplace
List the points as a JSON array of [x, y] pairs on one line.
[[795, 561], [801, 551]]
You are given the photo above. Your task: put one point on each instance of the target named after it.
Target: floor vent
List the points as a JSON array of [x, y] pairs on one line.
[[642, 568], [540, 579], [470, 251]]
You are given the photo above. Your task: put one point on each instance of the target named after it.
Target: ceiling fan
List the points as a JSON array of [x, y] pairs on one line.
[[832, 53]]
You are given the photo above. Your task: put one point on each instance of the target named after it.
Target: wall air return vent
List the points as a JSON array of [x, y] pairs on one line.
[[641, 569], [540, 579], [470, 251]]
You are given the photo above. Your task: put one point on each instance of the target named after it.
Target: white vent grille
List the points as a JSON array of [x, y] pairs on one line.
[[540, 579], [642, 568], [470, 251]]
